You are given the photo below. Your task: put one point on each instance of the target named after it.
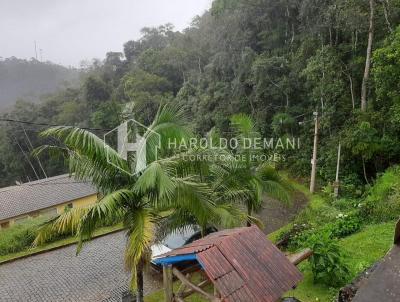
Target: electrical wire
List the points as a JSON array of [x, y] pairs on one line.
[[49, 125]]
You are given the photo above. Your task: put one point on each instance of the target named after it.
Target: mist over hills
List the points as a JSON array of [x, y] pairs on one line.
[[29, 79]]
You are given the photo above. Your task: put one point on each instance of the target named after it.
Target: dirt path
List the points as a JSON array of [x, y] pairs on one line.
[[275, 214]]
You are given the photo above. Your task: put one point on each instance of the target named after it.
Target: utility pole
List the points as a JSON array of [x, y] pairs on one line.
[[314, 158], [336, 185], [35, 50]]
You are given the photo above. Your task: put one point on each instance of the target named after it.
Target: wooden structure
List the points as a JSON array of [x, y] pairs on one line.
[[241, 264]]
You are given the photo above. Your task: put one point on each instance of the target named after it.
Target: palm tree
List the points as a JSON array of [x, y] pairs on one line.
[[245, 179], [168, 189]]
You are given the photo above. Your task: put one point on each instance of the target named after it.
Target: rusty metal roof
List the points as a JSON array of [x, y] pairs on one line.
[[243, 264]]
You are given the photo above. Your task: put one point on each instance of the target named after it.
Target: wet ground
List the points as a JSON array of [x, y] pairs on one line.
[[275, 214]]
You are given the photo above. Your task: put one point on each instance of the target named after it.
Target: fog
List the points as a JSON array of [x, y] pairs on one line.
[[67, 32]]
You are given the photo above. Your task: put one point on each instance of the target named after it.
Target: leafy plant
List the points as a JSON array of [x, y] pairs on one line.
[[293, 237], [327, 262], [345, 225]]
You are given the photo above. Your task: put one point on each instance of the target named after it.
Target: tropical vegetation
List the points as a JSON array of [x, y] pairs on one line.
[[169, 191], [278, 61], [244, 69]]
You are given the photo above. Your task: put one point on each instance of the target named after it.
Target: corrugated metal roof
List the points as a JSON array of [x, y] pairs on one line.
[[41, 194], [243, 264]]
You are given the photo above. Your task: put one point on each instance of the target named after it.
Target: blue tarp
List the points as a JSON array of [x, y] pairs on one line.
[[175, 259]]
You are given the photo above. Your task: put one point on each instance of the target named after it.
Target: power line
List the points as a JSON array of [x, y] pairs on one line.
[[49, 125], [53, 183], [26, 157], [37, 158]]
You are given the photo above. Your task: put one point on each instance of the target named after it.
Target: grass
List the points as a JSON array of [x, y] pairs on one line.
[[56, 244], [362, 249], [369, 245]]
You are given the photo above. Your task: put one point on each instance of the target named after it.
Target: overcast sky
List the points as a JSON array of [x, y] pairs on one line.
[[69, 31]]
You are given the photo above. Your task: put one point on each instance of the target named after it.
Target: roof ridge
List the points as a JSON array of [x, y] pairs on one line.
[[39, 181]]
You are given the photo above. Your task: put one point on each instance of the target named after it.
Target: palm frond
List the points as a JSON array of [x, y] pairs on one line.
[[155, 183], [276, 190], [274, 184], [90, 159], [141, 225], [228, 216], [193, 196], [111, 207], [66, 223], [88, 144], [243, 124], [169, 128]]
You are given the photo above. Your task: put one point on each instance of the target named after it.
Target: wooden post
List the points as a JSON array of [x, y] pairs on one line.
[[314, 158], [300, 257], [190, 291], [195, 288], [167, 278], [216, 293], [336, 185]]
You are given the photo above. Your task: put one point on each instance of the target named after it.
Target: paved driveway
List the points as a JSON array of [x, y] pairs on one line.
[[97, 274]]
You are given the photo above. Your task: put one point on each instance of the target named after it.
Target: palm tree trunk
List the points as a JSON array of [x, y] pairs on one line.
[[139, 282]]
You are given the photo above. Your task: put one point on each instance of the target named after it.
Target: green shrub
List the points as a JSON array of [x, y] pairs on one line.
[[345, 225], [298, 236], [18, 237], [327, 262], [292, 238], [317, 214], [351, 186], [345, 204], [382, 202]]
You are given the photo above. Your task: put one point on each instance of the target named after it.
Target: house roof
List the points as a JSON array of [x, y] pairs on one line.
[[96, 274], [41, 194], [242, 263]]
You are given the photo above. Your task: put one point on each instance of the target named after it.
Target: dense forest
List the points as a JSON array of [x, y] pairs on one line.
[[29, 80], [277, 60]]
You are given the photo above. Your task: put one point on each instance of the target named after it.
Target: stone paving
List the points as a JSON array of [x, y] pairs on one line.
[[97, 274]]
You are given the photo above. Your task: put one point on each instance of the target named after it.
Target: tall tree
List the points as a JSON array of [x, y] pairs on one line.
[[364, 85]]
